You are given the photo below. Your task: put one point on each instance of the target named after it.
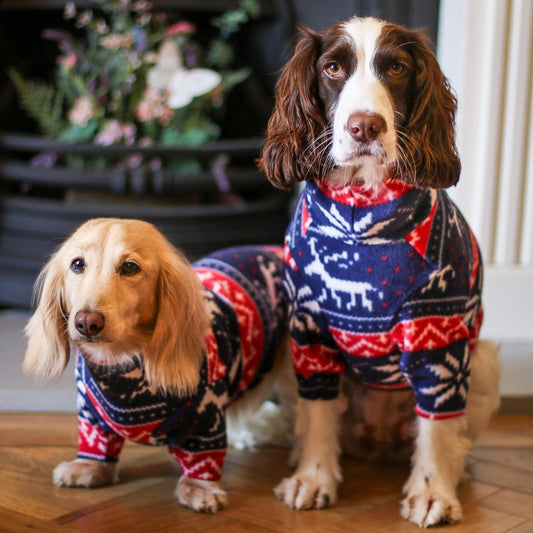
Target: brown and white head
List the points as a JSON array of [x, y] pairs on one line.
[[115, 289], [359, 102]]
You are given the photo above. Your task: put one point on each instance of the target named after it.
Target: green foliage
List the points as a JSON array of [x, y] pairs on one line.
[[221, 54], [110, 86], [231, 21], [41, 102]]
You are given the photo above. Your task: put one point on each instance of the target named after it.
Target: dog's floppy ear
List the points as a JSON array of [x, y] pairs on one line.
[[430, 153], [297, 120], [174, 355], [48, 348]]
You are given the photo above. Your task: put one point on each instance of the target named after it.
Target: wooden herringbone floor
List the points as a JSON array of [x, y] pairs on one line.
[[498, 498]]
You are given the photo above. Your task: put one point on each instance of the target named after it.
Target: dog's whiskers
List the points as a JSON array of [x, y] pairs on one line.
[[405, 165], [319, 151]]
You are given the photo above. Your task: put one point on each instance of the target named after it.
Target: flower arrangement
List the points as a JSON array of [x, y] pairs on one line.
[[135, 77]]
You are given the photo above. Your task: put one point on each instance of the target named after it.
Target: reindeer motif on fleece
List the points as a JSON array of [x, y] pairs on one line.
[[336, 285]]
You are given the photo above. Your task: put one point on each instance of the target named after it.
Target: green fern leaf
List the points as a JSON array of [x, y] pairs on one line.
[[40, 102]]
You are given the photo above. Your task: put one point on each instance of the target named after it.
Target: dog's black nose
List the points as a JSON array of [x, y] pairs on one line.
[[365, 127], [89, 323]]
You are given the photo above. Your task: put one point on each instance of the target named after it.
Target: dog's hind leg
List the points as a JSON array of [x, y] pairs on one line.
[[484, 391], [265, 415], [377, 425]]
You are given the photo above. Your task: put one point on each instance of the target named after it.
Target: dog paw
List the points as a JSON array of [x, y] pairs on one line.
[[428, 509], [200, 495], [85, 473], [307, 492]]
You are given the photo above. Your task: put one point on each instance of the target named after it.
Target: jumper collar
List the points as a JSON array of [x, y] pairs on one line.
[[397, 211], [360, 195]]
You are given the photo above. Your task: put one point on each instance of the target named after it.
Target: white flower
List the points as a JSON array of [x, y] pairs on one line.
[[186, 84], [182, 84], [168, 62]]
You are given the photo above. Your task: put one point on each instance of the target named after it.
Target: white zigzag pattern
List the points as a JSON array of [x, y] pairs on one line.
[[207, 463], [428, 336], [364, 346]]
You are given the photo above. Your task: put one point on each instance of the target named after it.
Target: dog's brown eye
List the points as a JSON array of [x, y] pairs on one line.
[[333, 69], [396, 69], [129, 268], [77, 266]]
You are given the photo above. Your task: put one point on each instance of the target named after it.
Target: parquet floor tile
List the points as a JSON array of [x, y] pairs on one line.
[[498, 498]]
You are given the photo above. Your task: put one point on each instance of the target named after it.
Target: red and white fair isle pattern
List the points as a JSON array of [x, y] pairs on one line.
[[250, 326]]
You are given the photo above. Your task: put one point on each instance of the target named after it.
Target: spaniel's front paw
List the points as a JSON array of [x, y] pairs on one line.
[[429, 508], [307, 491], [200, 495], [85, 473]]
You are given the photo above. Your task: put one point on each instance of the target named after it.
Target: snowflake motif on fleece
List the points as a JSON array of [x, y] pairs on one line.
[[452, 375], [390, 371]]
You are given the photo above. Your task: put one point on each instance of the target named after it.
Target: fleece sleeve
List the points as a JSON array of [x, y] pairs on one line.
[[434, 336], [316, 359]]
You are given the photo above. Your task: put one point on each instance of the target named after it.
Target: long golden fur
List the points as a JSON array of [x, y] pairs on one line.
[[120, 293], [147, 313]]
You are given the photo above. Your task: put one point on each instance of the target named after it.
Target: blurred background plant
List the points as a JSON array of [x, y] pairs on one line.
[[128, 74]]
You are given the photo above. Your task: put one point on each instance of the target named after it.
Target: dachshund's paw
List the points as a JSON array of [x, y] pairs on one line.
[[85, 473], [429, 508], [200, 495], [304, 491]]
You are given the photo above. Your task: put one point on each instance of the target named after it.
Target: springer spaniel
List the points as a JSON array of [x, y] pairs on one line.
[[382, 273]]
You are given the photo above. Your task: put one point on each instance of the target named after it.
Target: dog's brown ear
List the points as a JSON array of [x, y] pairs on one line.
[[48, 349], [289, 154], [430, 153], [174, 355]]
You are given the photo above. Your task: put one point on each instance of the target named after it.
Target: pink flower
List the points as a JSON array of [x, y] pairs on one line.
[[145, 141], [144, 111], [153, 107], [82, 111], [102, 27], [114, 132], [165, 115], [68, 61], [84, 19], [148, 107], [134, 160], [141, 5], [70, 10], [114, 41], [128, 133], [180, 28]]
